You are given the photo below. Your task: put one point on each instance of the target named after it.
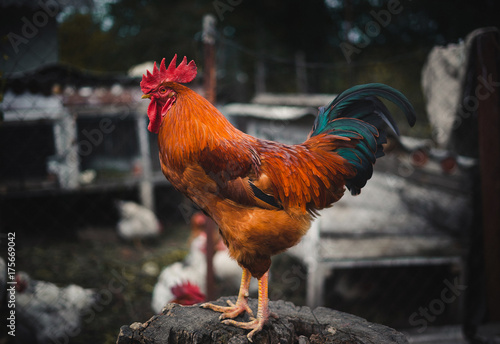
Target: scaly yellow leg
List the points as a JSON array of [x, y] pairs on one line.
[[262, 313], [241, 304]]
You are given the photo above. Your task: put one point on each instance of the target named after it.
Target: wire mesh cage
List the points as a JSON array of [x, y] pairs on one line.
[[74, 144]]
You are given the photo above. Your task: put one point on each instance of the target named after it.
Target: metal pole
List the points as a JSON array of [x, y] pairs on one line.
[[209, 77], [210, 86]]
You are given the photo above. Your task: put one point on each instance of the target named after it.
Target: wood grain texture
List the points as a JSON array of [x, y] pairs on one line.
[[192, 324]]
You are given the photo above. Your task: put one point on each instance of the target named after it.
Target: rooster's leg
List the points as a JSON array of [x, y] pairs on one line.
[[263, 313], [241, 304]]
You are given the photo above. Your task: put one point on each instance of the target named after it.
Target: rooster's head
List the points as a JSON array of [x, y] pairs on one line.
[[159, 86]]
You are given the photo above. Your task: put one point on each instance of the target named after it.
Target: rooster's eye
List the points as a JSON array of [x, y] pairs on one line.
[[163, 90]]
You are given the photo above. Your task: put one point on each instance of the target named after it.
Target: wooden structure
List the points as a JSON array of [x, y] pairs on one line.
[[90, 133], [486, 68]]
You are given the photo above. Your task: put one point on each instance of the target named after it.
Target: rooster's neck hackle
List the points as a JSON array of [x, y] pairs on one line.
[[191, 126]]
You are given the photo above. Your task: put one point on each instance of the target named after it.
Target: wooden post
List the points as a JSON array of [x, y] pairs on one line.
[[210, 86], [65, 138], [146, 190], [301, 72], [348, 22], [210, 230], [260, 76], [315, 272], [487, 79], [209, 74]]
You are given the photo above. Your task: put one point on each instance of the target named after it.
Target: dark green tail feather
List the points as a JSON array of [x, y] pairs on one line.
[[358, 110]]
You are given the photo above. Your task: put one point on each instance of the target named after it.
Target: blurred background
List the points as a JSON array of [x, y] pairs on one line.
[[103, 240]]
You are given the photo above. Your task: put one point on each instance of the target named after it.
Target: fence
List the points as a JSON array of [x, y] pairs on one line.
[[74, 142]]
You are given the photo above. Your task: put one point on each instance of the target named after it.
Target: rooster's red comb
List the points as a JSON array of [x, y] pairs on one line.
[[183, 73]]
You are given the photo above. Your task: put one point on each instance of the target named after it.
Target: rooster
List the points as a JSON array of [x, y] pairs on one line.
[[263, 194]]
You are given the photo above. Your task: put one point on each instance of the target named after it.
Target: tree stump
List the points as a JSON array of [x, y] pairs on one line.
[[193, 324]]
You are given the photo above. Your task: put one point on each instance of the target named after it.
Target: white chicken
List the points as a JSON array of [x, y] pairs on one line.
[[47, 313], [3, 278], [193, 270], [136, 221], [227, 269]]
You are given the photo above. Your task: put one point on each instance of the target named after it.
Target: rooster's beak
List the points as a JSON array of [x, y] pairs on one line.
[[146, 96]]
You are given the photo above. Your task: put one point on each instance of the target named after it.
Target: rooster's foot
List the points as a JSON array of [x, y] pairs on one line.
[[232, 311], [255, 325]]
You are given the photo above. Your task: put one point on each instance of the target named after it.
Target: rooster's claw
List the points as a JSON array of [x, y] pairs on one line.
[[232, 311]]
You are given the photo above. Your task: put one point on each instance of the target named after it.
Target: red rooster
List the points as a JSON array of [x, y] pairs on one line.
[[263, 194]]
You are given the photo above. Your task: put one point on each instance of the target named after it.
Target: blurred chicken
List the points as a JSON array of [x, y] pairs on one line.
[[193, 270], [187, 294], [136, 222], [47, 313], [198, 224], [226, 269], [3, 278]]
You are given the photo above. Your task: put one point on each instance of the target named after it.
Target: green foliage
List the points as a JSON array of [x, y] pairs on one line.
[[152, 29], [83, 44]]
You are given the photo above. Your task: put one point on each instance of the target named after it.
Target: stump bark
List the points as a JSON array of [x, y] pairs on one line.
[[300, 325]]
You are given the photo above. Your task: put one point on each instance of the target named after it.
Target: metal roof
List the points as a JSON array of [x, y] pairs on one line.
[[272, 112], [279, 106]]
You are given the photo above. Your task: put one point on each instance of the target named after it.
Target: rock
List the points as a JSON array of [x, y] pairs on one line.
[[193, 324]]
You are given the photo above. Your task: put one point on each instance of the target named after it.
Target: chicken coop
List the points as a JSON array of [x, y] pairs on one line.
[[86, 133], [69, 122]]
